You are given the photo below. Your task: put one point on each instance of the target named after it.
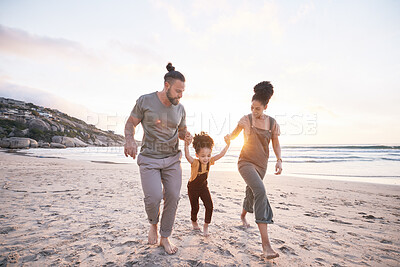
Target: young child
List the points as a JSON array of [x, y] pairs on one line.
[[197, 185]]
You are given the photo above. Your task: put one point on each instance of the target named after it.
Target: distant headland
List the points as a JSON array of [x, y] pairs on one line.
[[26, 125]]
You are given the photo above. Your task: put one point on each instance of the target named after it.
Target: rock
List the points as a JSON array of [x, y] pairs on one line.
[[25, 132], [55, 126], [69, 141], [39, 124], [79, 143], [33, 143], [97, 142], [57, 139], [57, 145], [43, 144], [19, 142], [5, 143]]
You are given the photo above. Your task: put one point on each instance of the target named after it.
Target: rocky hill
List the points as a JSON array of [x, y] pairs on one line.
[[28, 125]]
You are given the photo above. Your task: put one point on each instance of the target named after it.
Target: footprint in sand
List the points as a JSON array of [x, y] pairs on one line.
[[288, 250], [339, 221], [320, 261], [8, 229], [277, 241], [301, 228], [371, 217], [97, 249]]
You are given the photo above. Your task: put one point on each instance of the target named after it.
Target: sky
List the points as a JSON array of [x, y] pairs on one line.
[[334, 65]]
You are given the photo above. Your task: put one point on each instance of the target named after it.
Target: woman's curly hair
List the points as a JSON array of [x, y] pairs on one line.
[[202, 140], [263, 92]]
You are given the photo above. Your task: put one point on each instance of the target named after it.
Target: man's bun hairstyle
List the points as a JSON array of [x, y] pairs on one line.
[[173, 75], [263, 92]]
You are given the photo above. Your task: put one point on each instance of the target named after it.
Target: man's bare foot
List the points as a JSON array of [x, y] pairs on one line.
[[153, 236], [244, 221], [205, 229], [269, 253], [168, 246], [195, 226]]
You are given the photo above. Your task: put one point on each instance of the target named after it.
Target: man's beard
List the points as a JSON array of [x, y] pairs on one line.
[[174, 101]]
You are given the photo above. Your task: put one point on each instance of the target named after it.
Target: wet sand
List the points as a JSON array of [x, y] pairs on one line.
[[63, 212]]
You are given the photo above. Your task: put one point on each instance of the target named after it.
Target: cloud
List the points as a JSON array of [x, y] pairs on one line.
[[323, 110], [40, 97], [231, 20], [21, 43], [304, 10], [245, 19], [201, 7], [307, 68], [139, 52], [45, 99], [176, 17]]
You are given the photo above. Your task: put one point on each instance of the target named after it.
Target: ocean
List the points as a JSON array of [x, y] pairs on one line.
[[362, 163]]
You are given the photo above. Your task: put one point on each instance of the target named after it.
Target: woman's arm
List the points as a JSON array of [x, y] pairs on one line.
[[236, 132], [277, 149]]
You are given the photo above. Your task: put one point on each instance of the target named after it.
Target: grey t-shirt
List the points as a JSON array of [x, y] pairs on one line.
[[160, 125]]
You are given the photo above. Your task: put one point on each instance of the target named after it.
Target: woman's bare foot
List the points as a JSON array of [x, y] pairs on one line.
[[271, 256], [168, 246], [153, 236], [243, 218], [269, 253], [205, 229], [195, 226]]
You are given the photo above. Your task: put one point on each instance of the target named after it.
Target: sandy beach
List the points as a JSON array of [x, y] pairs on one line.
[[58, 212]]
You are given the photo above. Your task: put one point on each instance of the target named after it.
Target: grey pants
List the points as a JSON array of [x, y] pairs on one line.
[[256, 195], [156, 174]]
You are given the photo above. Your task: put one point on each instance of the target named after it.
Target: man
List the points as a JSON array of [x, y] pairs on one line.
[[164, 123]]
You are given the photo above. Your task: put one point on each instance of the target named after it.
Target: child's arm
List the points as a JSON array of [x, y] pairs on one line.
[[277, 149], [188, 140], [223, 152]]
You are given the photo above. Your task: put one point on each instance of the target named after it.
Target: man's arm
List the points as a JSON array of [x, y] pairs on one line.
[[182, 133], [130, 147]]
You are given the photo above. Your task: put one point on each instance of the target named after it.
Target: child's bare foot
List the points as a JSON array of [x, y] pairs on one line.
[[168, 246], [244, 221], [195, 226], [269, 253], [153, 236], [205, 229]]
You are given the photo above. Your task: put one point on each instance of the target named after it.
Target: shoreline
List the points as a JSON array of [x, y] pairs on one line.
[[374, 179], [60, 212]]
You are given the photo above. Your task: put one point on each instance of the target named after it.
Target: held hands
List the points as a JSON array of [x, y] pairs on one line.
[[278, 167], [130, 149], [188, 139], [227, 139]]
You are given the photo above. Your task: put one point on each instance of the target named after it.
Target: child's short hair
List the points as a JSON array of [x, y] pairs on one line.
[[202, 140]]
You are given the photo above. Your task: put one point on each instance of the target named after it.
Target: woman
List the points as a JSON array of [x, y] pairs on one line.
[[259, 129]]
